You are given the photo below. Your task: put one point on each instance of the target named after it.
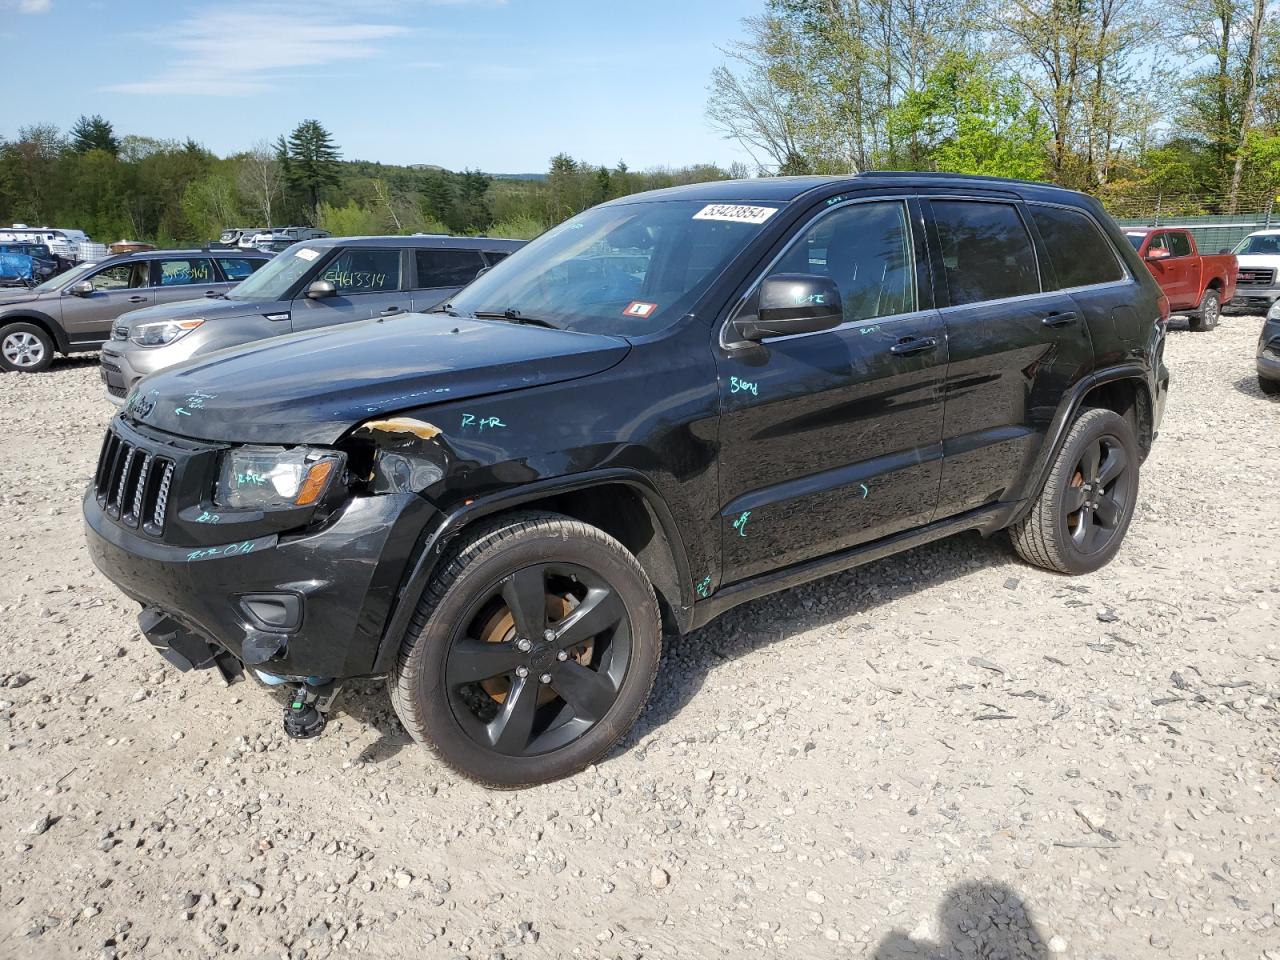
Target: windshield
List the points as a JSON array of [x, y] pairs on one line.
[[275, 279], [622, 269], [68, 278], [1262, 243]]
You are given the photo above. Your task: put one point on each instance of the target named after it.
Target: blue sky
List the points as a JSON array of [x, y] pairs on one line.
[[495, 84]]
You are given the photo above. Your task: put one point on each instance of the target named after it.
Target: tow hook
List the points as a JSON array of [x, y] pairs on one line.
[[308, 709]]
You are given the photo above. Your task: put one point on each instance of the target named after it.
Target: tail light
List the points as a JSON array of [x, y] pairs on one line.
[[1163, 303]]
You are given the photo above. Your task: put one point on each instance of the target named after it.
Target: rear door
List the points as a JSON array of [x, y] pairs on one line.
[[833, 439], [117, 289], [1014, 348], [185, 278], [440, 273], [369, 282]]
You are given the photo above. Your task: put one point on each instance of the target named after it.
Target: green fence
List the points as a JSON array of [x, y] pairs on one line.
[[1212, 232]]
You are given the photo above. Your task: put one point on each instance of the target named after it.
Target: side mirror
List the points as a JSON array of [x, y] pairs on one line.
[[794, 303], [82, 289], [1159, 253], [320, 289]]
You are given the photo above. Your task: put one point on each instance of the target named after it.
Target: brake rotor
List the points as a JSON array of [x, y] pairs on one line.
[[499, 626]]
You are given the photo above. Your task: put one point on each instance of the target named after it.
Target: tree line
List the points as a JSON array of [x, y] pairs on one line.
[[1127, 99], [172, 193]]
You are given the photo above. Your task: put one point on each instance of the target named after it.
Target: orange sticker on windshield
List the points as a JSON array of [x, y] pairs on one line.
[[638, 308]]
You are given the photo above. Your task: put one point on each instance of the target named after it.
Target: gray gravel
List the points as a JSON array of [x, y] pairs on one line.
[[947, 753]]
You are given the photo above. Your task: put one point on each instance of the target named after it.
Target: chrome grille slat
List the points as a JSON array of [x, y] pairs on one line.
[[132, 484]]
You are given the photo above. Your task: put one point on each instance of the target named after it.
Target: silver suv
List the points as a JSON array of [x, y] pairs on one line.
[[314, 283], [75, 311]]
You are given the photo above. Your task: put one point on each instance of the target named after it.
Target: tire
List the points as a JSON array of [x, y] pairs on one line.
[[1206, 318], [1055, 536], [1267, 386], [25, 347], [469, 704]]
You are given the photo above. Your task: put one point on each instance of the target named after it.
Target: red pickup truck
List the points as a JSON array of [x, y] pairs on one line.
[[1196, 284]]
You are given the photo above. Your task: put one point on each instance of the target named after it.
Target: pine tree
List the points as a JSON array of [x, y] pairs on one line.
[[311, 161], [94, 133]]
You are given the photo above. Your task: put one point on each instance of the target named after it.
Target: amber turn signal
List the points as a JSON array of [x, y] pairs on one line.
[[313, 486]]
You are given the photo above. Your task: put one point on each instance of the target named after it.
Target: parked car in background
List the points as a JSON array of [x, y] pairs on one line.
[[231, 236], [74, 245], [670, 404], [1258, 272], [43, 262], [75, 311], [258, 239], [1269, 352], [1196, 284], [315, 283]]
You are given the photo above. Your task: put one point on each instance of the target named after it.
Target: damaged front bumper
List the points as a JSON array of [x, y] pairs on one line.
[[310, 604]]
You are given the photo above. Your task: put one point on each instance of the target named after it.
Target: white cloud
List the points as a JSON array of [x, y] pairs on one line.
[[34, 6], [238, 50]]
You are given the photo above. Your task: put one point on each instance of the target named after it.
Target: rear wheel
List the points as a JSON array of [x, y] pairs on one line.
[[1081, 515], [1206, 318], [25, 347], [531, 652]]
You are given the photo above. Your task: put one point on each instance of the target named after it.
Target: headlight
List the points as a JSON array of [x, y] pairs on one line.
[[273, 478], [166, 331]]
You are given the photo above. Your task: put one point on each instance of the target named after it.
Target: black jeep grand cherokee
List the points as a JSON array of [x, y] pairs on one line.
[[668, 405]]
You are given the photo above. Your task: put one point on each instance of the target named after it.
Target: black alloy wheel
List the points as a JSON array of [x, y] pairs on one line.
[[1097, 496], [541, 661], [531, 652]]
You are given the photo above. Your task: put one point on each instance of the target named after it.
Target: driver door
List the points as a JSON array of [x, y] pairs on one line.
[[367, 283], [833, 439], [117, 289]]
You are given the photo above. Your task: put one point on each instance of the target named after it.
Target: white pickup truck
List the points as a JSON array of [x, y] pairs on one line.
[[1257, 283]]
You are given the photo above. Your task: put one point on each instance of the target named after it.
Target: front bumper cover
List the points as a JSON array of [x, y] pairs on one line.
[[346, 575]]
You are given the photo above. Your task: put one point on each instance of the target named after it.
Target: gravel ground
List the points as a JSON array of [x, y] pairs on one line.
[[943, 753]]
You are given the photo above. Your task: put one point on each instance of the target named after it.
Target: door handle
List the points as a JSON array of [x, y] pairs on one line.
[[1059, 319], [136, 299], [910, 345]]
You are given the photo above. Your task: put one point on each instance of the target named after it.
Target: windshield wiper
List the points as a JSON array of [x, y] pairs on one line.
[[513, 316], [446, 308]]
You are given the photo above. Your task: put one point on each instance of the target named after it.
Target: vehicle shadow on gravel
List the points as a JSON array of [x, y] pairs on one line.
[[1249, 387], [74, 361], [688, 660], [982, 919]]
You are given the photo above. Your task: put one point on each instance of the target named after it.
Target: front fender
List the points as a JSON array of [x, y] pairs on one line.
[[437, 536]]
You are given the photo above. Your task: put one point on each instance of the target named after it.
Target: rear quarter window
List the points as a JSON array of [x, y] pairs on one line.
[[1081, 255]]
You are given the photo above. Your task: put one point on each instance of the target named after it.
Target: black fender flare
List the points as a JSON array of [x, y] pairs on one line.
[[43, 320], [1056, 435], [435, 539]]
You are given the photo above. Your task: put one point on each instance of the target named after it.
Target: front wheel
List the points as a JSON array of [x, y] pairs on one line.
[[1206, 318], [25, 347], [531, 652], [1078, 521], [1268, 386]]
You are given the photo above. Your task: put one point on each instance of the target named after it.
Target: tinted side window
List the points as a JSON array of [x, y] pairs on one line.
[[866, 249], [360, 270], [233, 268], [175, 273], [986, 251], [447, 268], [1081, 255], [1179, 244], [1159, 242]]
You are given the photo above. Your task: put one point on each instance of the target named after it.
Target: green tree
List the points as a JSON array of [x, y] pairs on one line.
[[94, 133], [968, 120], [312, 162]]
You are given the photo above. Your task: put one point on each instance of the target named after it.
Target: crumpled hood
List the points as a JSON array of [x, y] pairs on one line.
[[207, 308], [312, 387]]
